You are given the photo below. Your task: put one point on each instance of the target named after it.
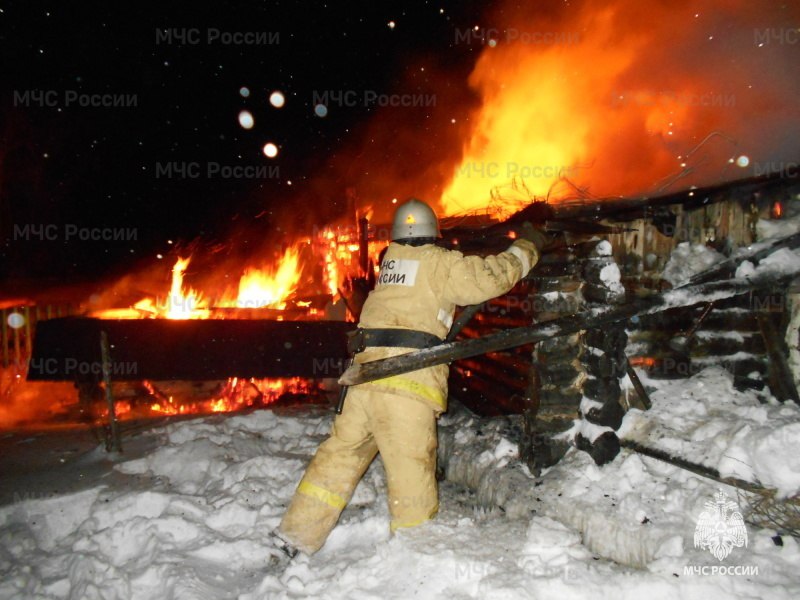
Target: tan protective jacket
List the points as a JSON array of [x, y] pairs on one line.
[[419, 288]]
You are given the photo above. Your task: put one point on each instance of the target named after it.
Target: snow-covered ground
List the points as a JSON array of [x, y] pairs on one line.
[[188, 515]]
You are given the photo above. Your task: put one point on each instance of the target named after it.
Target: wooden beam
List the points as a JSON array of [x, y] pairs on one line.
[[197, 350]]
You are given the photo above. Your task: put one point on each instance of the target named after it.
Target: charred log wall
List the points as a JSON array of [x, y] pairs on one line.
[[499, 382]]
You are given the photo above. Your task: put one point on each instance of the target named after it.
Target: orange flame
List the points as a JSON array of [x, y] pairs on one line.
[[184, 303], [269, 286], [331, 245], [629, 97], [534, 125], [181, 303]]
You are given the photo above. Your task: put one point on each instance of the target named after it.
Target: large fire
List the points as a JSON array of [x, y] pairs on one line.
[[621, 97], [311, 266]]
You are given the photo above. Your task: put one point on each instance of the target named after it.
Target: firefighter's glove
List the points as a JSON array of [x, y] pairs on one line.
[[539, 238]]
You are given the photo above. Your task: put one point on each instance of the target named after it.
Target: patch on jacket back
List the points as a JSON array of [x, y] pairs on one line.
[[398, 271]]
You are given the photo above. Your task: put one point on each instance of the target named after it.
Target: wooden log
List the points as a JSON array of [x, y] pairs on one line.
[[556, 302], [607, 339], [729, 266], [604, 365], [593, 269], [561, 371], [720, 319], [549, 271], [602, 294], [509, 399], [566, 345], [602, 390], [557, 284], [721, 345], [570, 398], [781, 380]]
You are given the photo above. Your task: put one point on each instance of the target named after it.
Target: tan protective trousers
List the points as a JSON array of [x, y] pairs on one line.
[[403, 430]]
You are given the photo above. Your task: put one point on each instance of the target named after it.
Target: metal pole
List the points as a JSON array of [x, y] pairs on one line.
[[113, 443]]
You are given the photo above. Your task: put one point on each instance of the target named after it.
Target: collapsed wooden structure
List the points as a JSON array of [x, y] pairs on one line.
[[577, 376]]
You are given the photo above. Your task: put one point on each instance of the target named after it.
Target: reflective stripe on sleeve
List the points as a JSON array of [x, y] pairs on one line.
[[314, 491]]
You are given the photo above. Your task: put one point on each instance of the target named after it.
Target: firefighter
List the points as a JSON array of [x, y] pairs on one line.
[[411, 307]]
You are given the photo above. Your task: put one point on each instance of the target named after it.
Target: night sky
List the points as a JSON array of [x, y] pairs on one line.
[[108, 167]]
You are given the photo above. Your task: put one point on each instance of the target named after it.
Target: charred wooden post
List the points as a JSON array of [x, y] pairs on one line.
[[603, 357], [557, 373], [577, 374], [644, 397]]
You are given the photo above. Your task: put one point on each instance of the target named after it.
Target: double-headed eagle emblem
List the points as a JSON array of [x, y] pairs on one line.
[[720, 528]]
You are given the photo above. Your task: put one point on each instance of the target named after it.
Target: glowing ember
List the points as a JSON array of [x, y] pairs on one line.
[[237, 394]]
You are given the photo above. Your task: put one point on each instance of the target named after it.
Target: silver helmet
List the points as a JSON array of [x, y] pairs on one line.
[[415, 219]]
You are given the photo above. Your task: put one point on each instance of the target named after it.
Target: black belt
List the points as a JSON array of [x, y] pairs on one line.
[[392, 338]]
